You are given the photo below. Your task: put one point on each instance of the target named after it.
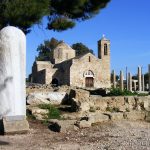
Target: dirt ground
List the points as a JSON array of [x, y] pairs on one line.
[[120, 135]]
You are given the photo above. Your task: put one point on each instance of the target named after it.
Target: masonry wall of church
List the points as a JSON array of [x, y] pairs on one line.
[[61, 55], [63, 72], [39, 70], [80, 66]]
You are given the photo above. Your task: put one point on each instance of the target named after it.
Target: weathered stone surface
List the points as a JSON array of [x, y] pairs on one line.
[[147, 116], [98, 102], [79, 94], [83, 124], [45, 97], [12, 72], [14, 125], [61, 125], [115, 116], [135, 115], [39, 114], [98, 117]]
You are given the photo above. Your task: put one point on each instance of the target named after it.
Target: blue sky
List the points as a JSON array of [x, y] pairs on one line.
[[125, 22]]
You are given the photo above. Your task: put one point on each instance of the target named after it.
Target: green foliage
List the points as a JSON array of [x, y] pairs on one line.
[[53, 112], [46, 50], [22, 13], [30, 115], [60, 24], [61, 14], [127, 110], [92, 109], [119, 92], [112, 109], [81, 49]]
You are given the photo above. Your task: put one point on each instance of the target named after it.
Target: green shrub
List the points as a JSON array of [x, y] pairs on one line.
[[112, 109], [92, 109], [119, 92], [53, 112], [127, 110], [30, 115]]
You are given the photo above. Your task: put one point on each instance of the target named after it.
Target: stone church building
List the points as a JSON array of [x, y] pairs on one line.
[[84, 71]]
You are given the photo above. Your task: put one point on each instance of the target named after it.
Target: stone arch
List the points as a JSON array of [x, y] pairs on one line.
[[89, 73]]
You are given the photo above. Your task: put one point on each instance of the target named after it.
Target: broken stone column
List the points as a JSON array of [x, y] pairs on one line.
[[121, 81], [139, 79], [130, 81], [12, 80], [143, 83], [149, 76], [114, 79]]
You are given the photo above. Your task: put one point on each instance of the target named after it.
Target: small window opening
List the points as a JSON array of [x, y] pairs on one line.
[[89, 59], [105, 49]]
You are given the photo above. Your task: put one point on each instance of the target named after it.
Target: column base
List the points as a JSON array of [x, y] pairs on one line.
[[14, 125]]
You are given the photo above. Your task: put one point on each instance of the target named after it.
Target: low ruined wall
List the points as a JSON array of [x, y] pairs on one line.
[[115, 107], [122, 103]]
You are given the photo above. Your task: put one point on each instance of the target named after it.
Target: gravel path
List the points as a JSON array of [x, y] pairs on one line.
[[120, 135]]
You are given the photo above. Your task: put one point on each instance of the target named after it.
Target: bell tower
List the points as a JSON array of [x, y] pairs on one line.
[[104, 56], [104, 48]]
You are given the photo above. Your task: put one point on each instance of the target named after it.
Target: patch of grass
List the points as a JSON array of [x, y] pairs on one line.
[[30, 116], [92, 109], [119, 92], [53, 112], [112, 109], [127, 110]]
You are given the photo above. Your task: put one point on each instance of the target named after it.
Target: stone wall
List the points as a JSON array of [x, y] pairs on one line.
[[63, 72], [39, 71]]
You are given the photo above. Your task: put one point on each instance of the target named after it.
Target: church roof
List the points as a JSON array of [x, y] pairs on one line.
[[63, 45]]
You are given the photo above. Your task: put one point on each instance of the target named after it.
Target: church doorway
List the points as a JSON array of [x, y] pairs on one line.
[[89, 78], [89, 82]]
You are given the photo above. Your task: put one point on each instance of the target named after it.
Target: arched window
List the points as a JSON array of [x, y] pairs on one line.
[[105, 49]]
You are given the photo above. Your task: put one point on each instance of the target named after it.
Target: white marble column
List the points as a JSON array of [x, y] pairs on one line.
[[121, 81], [139, 79], [143, 83], [12, 72], [129, 81]]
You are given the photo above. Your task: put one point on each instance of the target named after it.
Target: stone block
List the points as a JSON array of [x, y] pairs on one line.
[[147, 116], [115, 116], [135, 115], [61, 125], [98, 117], [83, 124], [15, 124]]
